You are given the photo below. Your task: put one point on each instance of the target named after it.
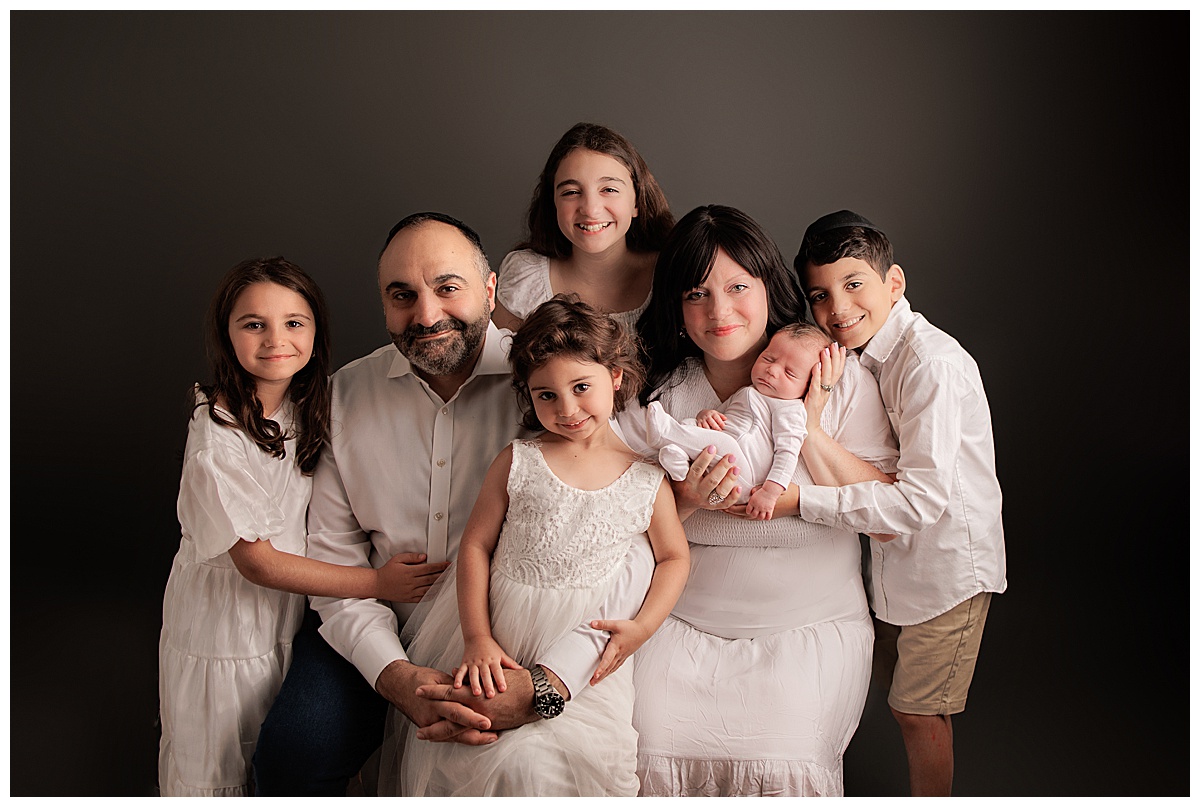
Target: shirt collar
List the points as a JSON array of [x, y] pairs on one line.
[[886, 338], [493, 359]]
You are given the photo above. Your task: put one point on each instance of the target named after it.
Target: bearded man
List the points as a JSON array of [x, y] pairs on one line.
[[415, 426]]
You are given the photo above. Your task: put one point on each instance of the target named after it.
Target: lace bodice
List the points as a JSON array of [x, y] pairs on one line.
[[558, 536]]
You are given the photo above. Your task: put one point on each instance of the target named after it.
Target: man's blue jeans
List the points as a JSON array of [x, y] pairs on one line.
[[324, 725]]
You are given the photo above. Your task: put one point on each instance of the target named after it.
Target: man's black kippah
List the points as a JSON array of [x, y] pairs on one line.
[[836, 221]]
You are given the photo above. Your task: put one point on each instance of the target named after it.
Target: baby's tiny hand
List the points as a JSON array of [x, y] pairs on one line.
[[757, 512], [711, 419], [761, 505]]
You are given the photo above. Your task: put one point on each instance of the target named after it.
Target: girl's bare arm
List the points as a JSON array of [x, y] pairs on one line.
[[404, 578], [671, 567]]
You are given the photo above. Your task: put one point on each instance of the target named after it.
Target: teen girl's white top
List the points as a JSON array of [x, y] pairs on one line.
[[755, 683], [226, 643], [523, 283]]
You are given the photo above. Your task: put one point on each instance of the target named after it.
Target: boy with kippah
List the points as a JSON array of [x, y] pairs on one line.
[[930, 586]]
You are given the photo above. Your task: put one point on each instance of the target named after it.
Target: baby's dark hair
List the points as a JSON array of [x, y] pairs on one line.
[[805, 332], [866, 244], [235, 388], [649, 228], [564, 326]]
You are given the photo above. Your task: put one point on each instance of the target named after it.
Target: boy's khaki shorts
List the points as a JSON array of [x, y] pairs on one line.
[[928, 667]]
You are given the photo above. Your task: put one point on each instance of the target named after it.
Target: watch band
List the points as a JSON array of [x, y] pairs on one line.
[[547, 703]]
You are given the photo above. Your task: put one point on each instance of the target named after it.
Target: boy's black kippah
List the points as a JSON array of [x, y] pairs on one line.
[[836, 221]]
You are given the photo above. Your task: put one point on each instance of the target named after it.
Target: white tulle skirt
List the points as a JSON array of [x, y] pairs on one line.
[[588, 750]]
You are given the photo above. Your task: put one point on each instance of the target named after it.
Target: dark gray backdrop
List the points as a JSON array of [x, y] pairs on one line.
[[1031, 169]]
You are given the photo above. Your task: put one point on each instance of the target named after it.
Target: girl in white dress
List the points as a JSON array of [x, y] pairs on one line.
[[234, 599], [596, 222], [755, 684], [541, 550]]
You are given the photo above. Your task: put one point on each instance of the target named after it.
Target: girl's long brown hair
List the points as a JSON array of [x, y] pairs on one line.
[[309, 390]]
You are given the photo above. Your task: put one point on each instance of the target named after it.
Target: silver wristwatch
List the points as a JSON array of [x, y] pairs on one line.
[[546, 700]]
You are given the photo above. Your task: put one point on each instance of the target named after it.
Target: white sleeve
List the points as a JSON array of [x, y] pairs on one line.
[[221, 501], [523, 282], [929, 421], [630, 426], [788, 430], [365, 632]]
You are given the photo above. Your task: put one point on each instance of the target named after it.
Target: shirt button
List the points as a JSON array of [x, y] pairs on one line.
[[437, 516], [445, 410], [441, 463]]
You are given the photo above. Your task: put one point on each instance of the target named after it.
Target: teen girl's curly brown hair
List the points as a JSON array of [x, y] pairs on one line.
[[235, 388], [564, 326]]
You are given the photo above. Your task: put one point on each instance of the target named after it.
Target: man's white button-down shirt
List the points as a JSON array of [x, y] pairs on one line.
[[401, 475]]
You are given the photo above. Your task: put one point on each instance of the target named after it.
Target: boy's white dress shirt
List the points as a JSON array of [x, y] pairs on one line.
[[945, 504]]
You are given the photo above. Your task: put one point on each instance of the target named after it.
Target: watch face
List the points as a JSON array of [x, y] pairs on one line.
[[548, 705]]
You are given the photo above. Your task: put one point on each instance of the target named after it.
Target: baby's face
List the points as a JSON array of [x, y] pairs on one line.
[[785, 367]]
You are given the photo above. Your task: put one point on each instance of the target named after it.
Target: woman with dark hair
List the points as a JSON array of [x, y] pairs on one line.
[[596, 222], [756, 682]]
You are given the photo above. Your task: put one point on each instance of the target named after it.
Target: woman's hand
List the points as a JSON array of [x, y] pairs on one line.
[[825, 374], [710, 484]]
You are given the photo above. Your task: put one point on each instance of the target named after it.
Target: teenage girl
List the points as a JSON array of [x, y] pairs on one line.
[[234, 599], [541, 551], [596, 223]]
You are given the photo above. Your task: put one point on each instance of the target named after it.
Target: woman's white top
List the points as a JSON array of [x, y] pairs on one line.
[[756, 683]]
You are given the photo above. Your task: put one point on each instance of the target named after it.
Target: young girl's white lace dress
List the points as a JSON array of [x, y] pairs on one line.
[[558, 555]]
